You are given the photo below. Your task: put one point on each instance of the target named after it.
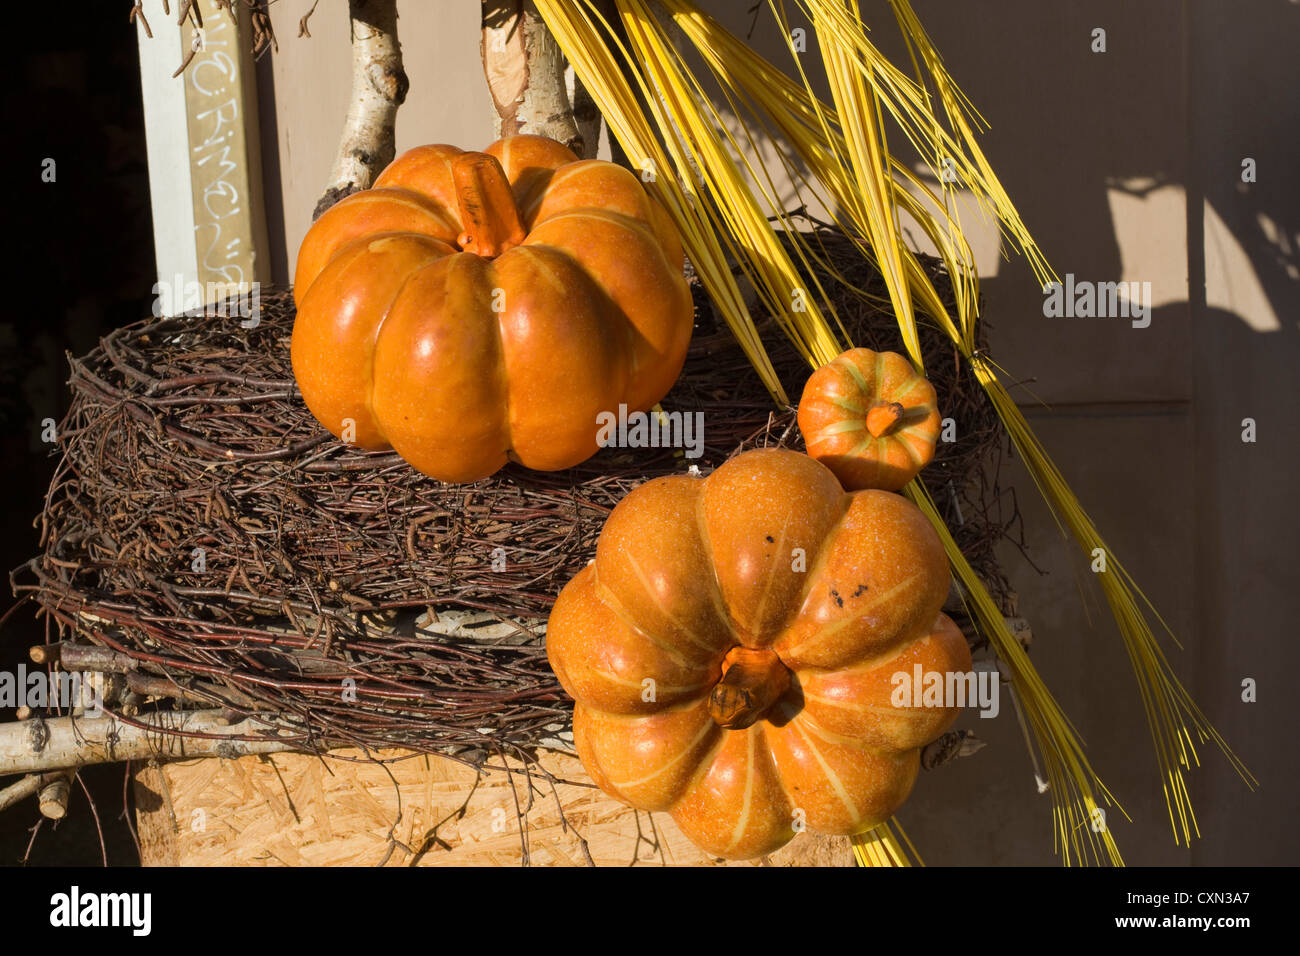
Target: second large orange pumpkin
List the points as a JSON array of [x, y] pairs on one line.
[[475, 308], [733, 651]]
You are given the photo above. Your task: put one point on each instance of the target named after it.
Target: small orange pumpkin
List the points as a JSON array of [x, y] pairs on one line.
[[731, 651], [870, 418], [474, 308]]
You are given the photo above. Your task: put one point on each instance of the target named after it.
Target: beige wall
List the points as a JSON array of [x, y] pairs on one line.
[[304, 96], [1125, 165]]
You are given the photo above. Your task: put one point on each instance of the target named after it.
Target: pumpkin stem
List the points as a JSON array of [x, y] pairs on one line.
[[882, 419], [752, 681], [487, 206]]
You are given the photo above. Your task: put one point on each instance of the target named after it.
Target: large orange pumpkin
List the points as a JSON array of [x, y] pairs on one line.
[[732, 648], [871, 418], [474, 308]]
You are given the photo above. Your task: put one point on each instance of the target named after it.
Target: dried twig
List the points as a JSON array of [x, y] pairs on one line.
[[94, 812], [196, 44], [259, 18], [302, 23], [137, 13]]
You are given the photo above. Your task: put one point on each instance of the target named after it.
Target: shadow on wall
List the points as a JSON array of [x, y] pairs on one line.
[[1072, 124]]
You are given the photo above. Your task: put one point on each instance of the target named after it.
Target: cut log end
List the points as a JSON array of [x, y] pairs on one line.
[[53, 799]]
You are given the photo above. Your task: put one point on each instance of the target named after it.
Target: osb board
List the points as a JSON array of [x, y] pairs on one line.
[[339, 810]]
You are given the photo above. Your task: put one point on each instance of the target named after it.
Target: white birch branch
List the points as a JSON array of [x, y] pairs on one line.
[[23, 789], [40, 746], [379, 86]]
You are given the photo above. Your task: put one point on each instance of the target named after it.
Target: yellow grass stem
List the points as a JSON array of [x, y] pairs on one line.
[[858, 106], [885, 845], [1171, 713], [1080, 833], [592, 50]]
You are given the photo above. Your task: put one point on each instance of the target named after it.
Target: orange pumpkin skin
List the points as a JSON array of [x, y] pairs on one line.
[[474, 308], [870, 418], [692, 574]]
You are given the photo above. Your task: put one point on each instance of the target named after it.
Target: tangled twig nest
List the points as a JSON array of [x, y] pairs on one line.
[[202, 523]]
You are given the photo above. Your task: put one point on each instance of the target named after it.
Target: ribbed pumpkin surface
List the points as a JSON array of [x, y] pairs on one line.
[[475, 308], [819, 595], [870, 418]]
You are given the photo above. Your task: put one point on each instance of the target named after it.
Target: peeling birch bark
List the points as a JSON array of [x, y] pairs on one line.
[[525, 74], [379, 86]]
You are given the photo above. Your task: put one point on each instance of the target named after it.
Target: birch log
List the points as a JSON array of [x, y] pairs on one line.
[[525, 74], [39, 746], [22, 789], [379, 86]]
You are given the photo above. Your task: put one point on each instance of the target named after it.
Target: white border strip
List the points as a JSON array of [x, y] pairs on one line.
[[167, 137]]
